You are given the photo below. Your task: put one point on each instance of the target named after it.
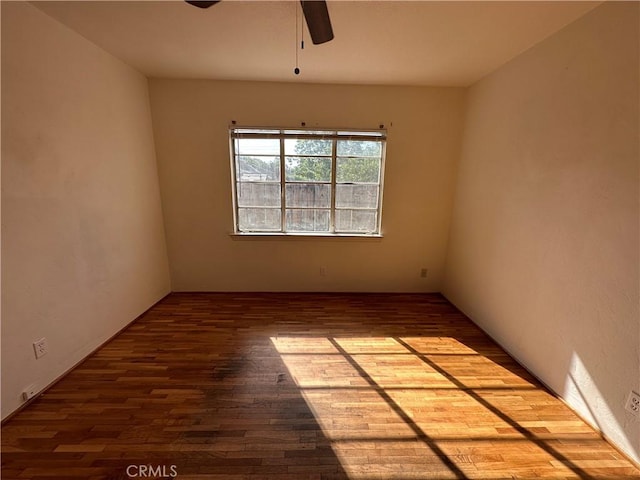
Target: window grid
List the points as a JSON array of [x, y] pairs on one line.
[[283, 191], [285, 207], [334, 152]]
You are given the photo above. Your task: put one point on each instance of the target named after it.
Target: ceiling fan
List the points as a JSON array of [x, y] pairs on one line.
[[315, 13]]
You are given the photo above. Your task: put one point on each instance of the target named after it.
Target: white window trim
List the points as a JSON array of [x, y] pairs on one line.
[[328, 133]]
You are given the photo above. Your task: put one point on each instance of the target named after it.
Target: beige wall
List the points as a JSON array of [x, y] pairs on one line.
[[191, 120], [544, 238], [83, 249]]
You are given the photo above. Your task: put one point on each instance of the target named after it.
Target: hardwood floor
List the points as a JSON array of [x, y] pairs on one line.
[[303, 386]]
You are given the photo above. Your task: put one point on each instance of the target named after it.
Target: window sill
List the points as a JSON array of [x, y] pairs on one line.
[[303, 236]]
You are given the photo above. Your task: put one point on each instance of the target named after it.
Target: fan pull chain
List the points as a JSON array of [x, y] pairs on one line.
[[297, 70], [301, 33]]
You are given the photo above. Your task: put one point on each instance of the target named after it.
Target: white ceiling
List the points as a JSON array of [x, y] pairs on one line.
[[376, 42]]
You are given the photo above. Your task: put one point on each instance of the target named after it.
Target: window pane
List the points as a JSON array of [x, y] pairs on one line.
[[358, 170], [257, 146], [356, 221], [357, 196], [298, 146], [331, 180], [253, 219], [308, 195], [308, 169], [309, 220], [258, 169], [359, 148], [258, 194]]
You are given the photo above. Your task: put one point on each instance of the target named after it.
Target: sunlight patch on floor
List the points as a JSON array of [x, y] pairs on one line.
[[448, 411]]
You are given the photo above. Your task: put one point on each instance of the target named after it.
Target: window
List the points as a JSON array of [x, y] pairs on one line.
[[307, 181]]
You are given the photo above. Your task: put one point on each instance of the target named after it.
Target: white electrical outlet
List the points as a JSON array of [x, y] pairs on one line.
[[40, 347], [633, 403], [29, 392], [323, 271], [423, 272]]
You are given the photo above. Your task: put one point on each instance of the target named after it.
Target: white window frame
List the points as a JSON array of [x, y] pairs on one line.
[[379, 135]]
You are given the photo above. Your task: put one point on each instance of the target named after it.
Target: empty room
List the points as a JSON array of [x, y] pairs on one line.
[[356, 240]]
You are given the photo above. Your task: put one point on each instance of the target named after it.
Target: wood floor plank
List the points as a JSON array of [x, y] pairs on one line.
[[303, 386]]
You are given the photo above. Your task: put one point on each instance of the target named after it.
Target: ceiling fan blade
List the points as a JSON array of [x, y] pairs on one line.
[[202, 4], [318, 21]]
